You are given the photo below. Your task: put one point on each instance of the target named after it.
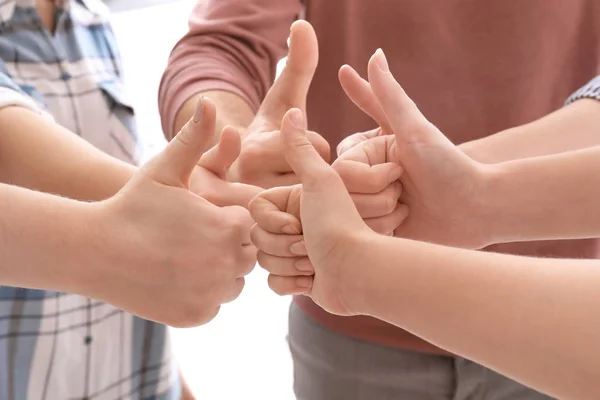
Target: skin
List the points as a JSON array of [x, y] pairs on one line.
[[531, 319], [261, 162], [154, 236]]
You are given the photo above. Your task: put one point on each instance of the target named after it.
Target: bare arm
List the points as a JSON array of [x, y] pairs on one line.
[[550, 197], [575, 126], [39, 154], [535, 320], [43, 240]]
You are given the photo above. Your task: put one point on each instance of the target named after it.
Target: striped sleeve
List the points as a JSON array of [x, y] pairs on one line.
[[590, 91]]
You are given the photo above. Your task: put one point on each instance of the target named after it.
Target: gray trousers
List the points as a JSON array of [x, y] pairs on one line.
[[330, 366]]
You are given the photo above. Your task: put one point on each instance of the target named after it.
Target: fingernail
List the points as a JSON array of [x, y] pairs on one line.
[[304, 281], [304, 265], [198, 110], [381, 60], [298, 248], [290, 230], [396, 173], [296, 118]]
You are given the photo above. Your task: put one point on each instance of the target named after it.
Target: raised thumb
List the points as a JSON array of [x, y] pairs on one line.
[[175, 164], [291, 87]]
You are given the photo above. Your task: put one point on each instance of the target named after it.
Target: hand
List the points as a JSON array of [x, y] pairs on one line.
[[359, 91], [441, 185], [261, 161], [172, 256], [370, 176], [334, 234]]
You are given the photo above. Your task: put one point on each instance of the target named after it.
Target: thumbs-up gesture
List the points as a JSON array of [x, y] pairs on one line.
[[261, 161], [172, 256], [440, 185], [308, 234]]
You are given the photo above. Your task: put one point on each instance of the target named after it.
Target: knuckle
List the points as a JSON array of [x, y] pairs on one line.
[[255, 236], [264, 260], [389, 203]]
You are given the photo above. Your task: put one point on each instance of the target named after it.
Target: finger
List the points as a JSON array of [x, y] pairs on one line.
[[174, 166], [285, 285], [362, 178], [219, 159], [324, 195], [278, 245], [285, 266], [356, 139], [387, 224], [379, 204], [265, 153], [235, 194], [361, 94], [320, 144], [291, 87], [404, 117], [277, 210], [247, 260]]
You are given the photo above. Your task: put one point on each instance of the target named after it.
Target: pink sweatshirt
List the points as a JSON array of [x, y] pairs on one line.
[[474, 67]]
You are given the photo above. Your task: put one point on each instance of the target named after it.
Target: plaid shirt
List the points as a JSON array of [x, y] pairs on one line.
[[56, 346]]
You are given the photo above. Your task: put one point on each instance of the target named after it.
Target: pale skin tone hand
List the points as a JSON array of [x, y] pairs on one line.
[[439, 184], [426, 288], [278, 211], [261, 162], [573, 127], [154, 236]]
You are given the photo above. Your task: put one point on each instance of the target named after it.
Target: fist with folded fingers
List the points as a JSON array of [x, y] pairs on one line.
[[278, 236], [372, 175]]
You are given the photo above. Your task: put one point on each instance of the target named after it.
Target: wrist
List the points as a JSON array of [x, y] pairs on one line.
[[360, 275], [100, 252], [492, 205], [486, 150]]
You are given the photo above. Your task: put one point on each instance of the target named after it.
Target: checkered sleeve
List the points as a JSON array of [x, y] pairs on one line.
[[590, 91], [11, 94]]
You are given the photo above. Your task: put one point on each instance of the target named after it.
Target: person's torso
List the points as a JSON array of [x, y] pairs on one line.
[[57, 345]]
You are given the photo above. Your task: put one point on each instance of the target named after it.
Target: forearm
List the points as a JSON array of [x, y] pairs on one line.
[[543, 198], [232, 47], [573, 127], [535, 320], [232, 110], [39, 154], [46, 241]]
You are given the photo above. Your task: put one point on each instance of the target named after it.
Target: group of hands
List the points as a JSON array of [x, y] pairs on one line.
[[194, 221]]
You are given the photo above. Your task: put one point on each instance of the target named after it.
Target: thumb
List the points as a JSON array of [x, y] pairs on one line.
[[324, 196], [360, 92], [406, 121], [291, 87], [218, 160], [175, 164]]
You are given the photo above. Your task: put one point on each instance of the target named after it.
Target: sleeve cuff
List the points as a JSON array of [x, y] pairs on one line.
[[590, 91], [10, 97], [179, 97]]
